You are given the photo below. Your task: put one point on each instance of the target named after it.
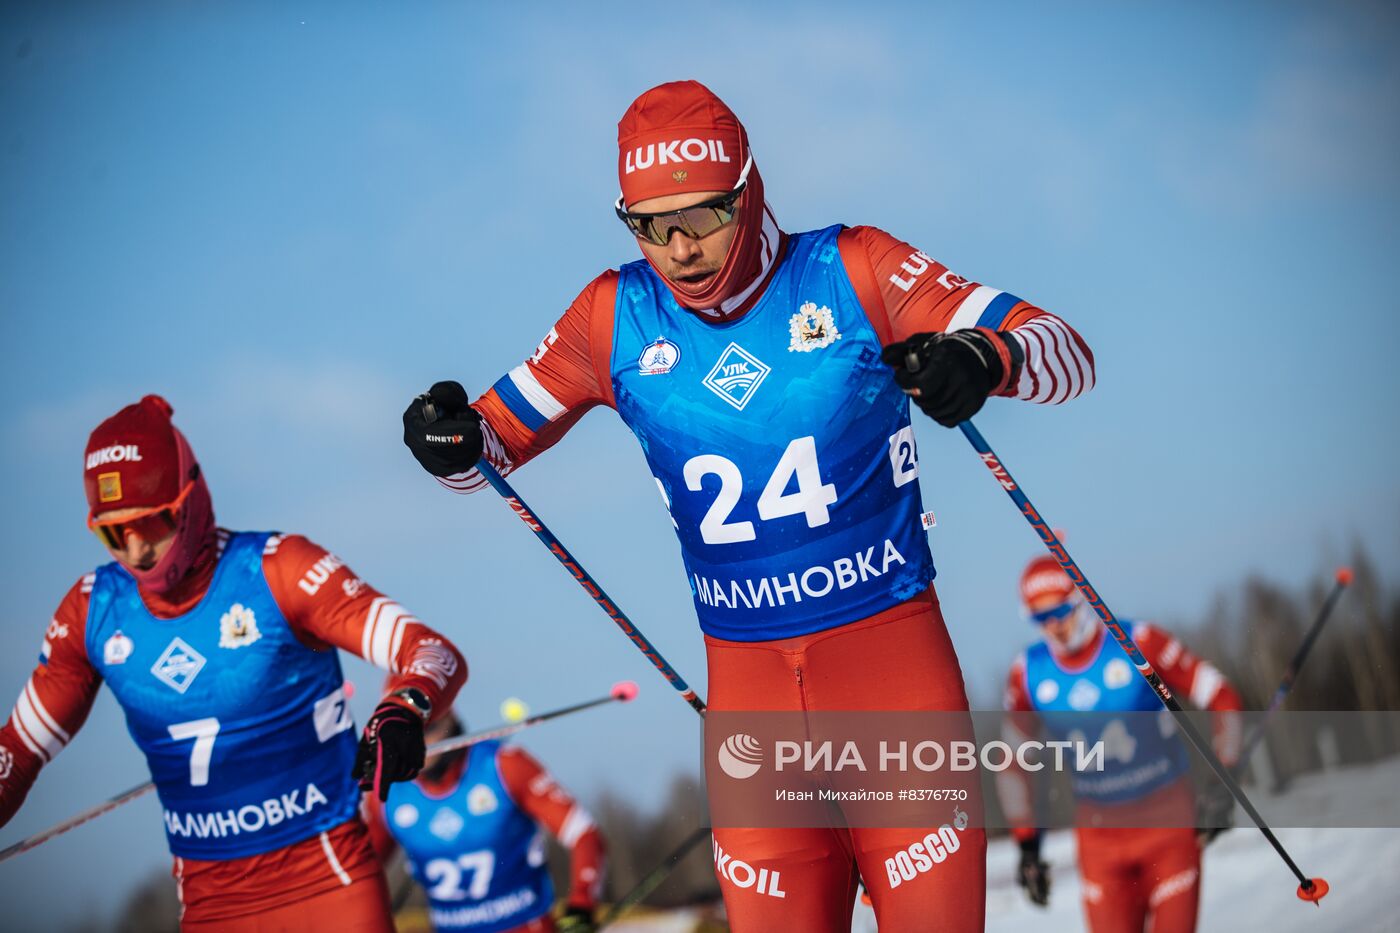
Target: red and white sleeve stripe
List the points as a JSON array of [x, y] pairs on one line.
[[495, 453], [425, 655], [322, 598], [576, 823], [535, 791], [384, 628], [1194, 677], [1058, 365], [53, 704], [36, 728]]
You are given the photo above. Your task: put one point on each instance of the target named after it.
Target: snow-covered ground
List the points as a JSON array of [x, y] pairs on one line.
[[685, 920], [1246, 886]]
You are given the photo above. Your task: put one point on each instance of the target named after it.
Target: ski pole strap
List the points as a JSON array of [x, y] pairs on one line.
[[590, 586]]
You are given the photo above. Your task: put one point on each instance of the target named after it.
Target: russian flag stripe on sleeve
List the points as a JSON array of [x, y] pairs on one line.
[[527, 399], [969, 313], [997, 310], [523, 410]]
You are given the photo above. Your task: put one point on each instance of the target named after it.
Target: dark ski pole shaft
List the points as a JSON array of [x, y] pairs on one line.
[[1290, 674], [653, 879], [1309, 889], [111, 803], [518, 506], [621, 692]]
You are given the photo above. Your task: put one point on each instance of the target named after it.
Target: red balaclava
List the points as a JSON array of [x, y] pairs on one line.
[[138, 459], [680, 137]]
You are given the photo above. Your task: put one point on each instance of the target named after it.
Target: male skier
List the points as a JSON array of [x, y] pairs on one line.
[[1077, 679], [220, 648], [767, 376], [472, 826]]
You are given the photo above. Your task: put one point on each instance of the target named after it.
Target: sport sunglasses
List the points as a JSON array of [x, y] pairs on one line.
[[696, 221], [152, 524], [1052, 614]]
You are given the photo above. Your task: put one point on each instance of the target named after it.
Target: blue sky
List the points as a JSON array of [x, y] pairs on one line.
[[290, 217]]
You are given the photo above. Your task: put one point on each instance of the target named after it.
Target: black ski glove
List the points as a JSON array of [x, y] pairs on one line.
[[1215, 812], [391, 749], [442, 430], [1033, 874], [576, 920], [949, 376]]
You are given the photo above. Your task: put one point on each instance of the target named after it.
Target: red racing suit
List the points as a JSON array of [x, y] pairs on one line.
[[886, 661], [1146, 877], [533, 790], [331, 877]]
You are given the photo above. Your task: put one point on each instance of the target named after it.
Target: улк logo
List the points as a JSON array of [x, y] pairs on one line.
[[238, 627], [740, 756], [736, 376], [178, 665], [658, 358]]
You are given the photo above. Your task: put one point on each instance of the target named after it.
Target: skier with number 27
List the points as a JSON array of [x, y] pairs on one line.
[[220, 648], [767, 376]]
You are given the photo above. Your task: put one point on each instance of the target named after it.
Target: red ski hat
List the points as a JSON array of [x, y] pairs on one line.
[[132, 459], [1042, 576], [680, 137], [138, 459]]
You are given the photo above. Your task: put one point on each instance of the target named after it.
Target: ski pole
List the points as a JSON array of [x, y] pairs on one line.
[[90, 814], [621, 692], [518, 506], [1343, 580], [1309, 889], [653, 879]]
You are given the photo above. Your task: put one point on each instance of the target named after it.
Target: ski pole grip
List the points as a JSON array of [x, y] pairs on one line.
[[428, 408]]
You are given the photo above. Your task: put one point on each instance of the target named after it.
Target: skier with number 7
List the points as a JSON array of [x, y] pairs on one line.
[[220, 648], [767, 376]]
